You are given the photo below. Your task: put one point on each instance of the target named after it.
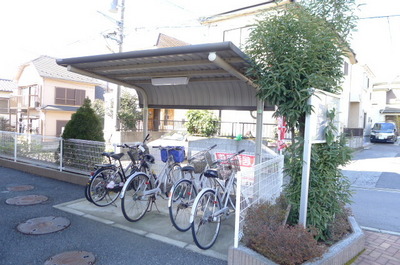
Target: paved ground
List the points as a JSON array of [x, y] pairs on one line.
[[105, 233], [110, 244], [380, 249]]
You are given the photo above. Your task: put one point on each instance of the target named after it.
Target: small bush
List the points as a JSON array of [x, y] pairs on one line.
[[284, 244], [201, 122]]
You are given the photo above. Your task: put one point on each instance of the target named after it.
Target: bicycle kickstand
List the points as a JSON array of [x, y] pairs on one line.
[[153, 201]]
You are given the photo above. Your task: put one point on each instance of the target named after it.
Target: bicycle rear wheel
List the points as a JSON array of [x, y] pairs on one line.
[[134, 204], [87, 191], [206, 224], [99, 193], [180, 204]]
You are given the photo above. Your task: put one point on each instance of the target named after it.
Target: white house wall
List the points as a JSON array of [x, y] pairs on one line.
[[29, 76]]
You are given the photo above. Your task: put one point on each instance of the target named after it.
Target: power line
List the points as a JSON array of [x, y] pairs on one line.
[[389, 16]]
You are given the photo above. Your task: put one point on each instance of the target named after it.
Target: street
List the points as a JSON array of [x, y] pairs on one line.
[[375, 177]]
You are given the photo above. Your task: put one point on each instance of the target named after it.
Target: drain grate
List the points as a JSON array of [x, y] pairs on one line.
[[72, 258], [27, 200], [43, 225], [20, 188]]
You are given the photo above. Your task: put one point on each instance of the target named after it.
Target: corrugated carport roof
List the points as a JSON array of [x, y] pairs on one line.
[[216, 71]]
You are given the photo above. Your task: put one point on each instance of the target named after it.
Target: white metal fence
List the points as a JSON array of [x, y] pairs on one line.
[[77, 156], [261, 183]]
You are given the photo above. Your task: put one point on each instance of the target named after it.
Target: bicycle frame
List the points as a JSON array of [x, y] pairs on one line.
[[224, 199], [162, 179]]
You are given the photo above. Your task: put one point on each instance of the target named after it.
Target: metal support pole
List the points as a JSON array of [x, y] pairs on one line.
[[305, 179], [61, 153], [15, 147], [237, 211], [259, 131]]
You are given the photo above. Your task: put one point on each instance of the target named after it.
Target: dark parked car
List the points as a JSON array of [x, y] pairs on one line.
[[384, 132]]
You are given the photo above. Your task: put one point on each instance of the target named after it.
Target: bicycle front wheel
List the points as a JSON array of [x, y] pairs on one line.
[[206, 223], [180, 204], [100, 191], [134, 203]]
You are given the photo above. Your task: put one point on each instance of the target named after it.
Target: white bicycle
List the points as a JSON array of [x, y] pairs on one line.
[[212, 204], [142, 189], [185, 190]]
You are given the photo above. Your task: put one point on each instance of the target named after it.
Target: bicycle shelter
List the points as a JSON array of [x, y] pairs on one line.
[[204, 76]]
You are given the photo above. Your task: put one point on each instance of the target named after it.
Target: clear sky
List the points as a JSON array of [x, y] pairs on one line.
[[70, 28]]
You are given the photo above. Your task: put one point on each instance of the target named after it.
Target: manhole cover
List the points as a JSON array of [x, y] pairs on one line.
[[71, 258], [20, 188], [27, 200], [43, 225]]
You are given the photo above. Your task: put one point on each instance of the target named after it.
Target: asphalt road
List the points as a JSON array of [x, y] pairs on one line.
[[110, 245], [375, 177]]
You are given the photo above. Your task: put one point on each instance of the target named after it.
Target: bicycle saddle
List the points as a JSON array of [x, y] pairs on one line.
[[211, 173], [107, 154], [187, 168], [117, 156]]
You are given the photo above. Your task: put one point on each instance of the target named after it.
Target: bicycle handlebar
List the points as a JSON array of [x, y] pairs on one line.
[[228, 159], [146, 138]]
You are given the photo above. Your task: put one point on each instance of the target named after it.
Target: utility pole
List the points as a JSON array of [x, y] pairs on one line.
[[120, 23]]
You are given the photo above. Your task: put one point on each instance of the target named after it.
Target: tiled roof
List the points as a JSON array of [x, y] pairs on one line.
[[47, 67], [164, 41], [7, 85]]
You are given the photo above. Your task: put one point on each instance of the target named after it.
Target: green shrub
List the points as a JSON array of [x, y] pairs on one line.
[[201, 122], [84, 124], [329, 189]]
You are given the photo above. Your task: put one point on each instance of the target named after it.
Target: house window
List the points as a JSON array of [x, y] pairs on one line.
[[4, 105], [238, 36], [69, 96]]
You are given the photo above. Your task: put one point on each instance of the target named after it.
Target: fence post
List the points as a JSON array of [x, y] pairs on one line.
[[61, 154], [237, 210], [15, 147]]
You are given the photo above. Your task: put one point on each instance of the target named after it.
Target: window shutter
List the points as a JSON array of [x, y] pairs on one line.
[[60, 95], [80, 97]]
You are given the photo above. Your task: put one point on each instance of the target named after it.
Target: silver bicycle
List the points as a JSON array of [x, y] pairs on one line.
[[213, 204], [185, 190], [141, 190]]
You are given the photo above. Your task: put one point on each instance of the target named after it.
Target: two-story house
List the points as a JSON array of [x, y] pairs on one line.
[[47, 95], [6, 89], [386, 102]]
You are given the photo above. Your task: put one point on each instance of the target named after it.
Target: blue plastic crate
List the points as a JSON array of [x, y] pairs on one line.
[[178, 153]]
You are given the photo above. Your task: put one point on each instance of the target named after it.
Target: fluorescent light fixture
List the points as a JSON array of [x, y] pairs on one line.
[[170, 81]]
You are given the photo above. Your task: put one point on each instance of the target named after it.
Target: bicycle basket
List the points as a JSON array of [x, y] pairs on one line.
[[177, 152], [199, 163], [226, 169], [134, 155]]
